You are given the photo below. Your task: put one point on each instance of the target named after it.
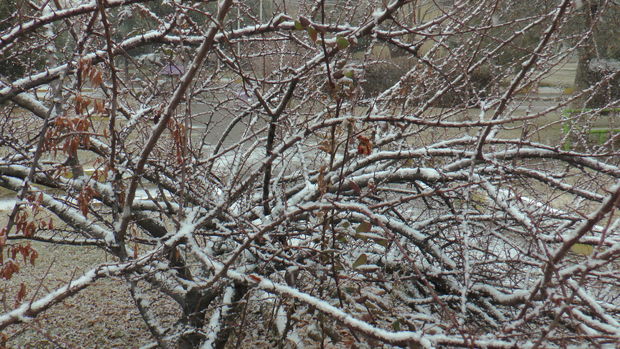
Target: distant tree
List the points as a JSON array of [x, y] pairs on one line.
[[10, 14], [260, 190], [600, 46]]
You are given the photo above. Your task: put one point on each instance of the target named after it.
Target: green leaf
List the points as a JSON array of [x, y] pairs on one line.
[[364, 227], [348, 73], [342, 42], [378, 239], [312, 33], [396, 325], [298, 25], [381, 241], [582, 249], [361, 236], [362, 259]]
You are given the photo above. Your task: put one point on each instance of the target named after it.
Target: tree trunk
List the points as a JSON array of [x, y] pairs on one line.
[[583, 76], [196, 304], [589, 74]]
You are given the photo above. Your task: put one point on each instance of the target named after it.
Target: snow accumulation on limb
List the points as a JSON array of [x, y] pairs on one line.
[[50, 74], [168, 112], [214, 327], [72, 216], [28, 27], [28, 310], [569, 241], [150, 319], [397, 338], [413, 187]]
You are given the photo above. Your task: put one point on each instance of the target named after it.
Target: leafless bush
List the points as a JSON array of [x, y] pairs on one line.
[[248, 178]]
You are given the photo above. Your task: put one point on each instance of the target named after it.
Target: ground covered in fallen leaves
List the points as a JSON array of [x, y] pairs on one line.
[[101, 316]]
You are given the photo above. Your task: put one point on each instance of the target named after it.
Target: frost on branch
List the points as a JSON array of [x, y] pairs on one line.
[[314, 173]]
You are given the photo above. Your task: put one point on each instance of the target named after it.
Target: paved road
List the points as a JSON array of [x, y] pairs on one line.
[[562, 75]]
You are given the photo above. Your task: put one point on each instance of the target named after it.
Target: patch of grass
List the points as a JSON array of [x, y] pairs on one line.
[[568, 91]]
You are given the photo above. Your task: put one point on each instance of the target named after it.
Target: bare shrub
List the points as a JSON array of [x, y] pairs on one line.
[[255, 186]]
